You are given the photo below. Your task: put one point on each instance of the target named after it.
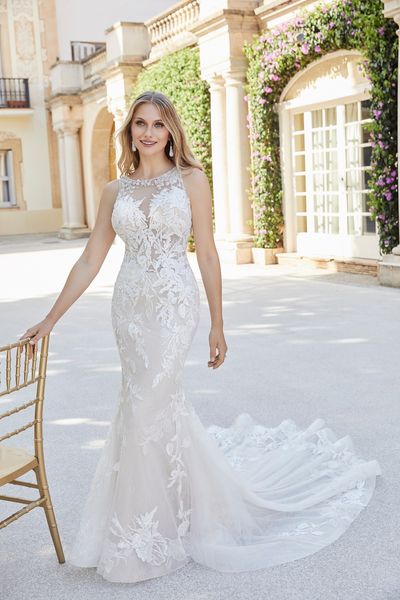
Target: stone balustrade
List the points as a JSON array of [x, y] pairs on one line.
[[169, 29]]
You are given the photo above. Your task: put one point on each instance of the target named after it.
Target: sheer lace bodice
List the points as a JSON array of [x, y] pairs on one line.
[[166, 490]]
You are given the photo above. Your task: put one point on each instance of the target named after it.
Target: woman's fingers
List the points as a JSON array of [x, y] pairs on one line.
[[217, 362], [34, 336]]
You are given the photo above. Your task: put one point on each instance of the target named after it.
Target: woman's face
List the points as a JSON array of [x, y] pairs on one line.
[[148, 126]]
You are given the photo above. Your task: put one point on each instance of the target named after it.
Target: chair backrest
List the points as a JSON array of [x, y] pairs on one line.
[[16, 373]]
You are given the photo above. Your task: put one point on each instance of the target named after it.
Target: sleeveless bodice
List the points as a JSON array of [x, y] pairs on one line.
[[153, 218]]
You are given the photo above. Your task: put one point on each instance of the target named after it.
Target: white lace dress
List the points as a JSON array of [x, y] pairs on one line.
[[166, 489]]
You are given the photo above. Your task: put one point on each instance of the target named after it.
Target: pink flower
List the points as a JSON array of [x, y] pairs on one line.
[[262, 101], [274, 77], [305, 48], [317, 48], [267, 90]]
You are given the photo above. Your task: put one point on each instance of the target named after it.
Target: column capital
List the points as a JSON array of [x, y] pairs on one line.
[[216, 82], [118, 108], [235, 78], [62, 128]]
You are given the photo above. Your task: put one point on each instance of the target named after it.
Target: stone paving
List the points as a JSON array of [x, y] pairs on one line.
[[302, 344]]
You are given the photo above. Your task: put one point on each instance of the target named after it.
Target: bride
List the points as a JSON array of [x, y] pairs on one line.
[[166, 490]]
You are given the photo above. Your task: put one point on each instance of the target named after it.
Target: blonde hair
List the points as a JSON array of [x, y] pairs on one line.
[[183, 156]]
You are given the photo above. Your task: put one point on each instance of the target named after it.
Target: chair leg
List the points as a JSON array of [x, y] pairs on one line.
[[49, 512]]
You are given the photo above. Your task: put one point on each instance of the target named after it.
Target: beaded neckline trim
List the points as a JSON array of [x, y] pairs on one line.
[[152, 179]]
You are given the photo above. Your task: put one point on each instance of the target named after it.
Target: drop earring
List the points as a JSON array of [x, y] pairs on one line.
[[171, 151], [133, 146]]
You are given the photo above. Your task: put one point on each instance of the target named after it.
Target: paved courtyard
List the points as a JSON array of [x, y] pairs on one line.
[[302, 344]]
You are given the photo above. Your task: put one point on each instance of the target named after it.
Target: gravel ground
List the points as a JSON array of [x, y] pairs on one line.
[[302, 344]]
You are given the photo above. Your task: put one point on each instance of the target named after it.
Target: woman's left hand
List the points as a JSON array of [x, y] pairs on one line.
[[217, 342]]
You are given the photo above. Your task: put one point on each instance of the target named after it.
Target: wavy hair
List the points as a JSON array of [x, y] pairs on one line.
[[183, 156]]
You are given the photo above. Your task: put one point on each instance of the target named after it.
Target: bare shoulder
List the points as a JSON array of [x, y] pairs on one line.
[[111, 187], [194, 175], [109, 194], [195, 179]]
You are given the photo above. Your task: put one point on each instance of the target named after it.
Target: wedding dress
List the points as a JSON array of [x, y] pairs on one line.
[[167, 490]]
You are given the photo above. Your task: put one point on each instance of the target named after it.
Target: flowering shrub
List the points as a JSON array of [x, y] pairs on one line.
[[275, 57]]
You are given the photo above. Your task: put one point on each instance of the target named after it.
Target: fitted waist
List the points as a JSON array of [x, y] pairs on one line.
[[146, 263]]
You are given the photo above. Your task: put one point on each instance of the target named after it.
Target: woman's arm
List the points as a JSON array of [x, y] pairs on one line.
[[85, 268], [199, 192]]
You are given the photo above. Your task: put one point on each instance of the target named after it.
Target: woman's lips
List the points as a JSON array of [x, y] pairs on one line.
[[148, 143]]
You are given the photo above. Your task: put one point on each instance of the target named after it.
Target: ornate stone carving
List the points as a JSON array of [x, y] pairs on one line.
[[7, 135], [22, 7]]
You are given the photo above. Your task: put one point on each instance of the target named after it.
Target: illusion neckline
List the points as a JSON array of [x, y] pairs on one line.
[[141, 179]]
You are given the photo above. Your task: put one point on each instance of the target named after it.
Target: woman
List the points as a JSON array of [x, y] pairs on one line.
[[166, 489]]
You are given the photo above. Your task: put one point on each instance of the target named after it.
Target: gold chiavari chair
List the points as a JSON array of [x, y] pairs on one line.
[[15, 462]]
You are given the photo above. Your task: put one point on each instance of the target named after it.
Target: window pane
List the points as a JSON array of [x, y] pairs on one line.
[[354, 202], [318, 161], [3, 163], [330, 116], [331, 181], [300, 163], [365, 109], [366, 155], [351, 226], [318, 182], [352, 157], [351, 112], [326, 224], [4, 192], [330, 138], [316, 118], [302, 224], [5, 167], [369, 226], [299, 122], [319, 202], [299, 143], [331, 160], [318, 139], [301, 204], [352, 134], [333, 203], [353, 179], [300, 183]]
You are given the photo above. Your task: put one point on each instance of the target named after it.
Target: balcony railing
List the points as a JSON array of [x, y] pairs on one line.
[[14, 92]]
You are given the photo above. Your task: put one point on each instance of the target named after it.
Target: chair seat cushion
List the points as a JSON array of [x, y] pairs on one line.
[[14, 462]]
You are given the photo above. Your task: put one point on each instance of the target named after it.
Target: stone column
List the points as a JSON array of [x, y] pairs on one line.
[[61, 159], [389, 267], [219, 159], [238, 158], [71, 183]]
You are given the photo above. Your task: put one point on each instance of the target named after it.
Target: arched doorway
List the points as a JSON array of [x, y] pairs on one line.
[[102, 158], [326, 153]]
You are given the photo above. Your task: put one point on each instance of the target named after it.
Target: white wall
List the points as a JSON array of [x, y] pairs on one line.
[[86, 21]]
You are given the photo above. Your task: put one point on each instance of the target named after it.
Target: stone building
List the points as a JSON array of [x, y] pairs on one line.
[[65, 155]]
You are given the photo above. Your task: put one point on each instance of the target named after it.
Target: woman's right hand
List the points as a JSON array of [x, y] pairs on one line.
[[36, 332]]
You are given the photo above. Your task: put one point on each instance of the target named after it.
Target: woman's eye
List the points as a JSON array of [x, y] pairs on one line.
[[157, 124]]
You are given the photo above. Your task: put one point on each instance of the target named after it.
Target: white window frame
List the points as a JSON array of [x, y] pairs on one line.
[[308, 243], [10, 179]]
